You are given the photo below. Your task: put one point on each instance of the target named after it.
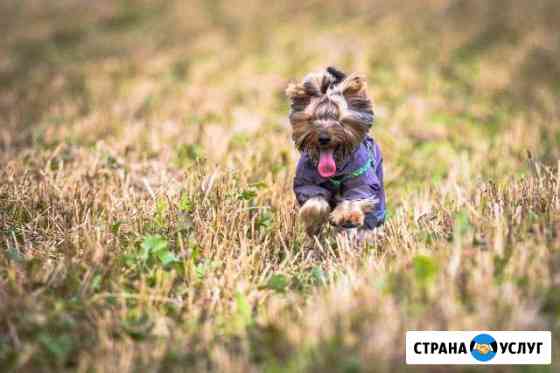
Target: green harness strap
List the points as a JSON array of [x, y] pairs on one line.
[[359, 172]]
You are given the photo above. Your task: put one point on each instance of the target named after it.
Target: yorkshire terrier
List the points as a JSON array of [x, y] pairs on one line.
[[339, 177]]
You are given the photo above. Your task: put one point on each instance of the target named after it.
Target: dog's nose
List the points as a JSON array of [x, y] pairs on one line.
[[324, 139]]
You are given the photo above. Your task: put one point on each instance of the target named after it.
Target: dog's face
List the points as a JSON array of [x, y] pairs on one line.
[[330, 116], [324, 137]]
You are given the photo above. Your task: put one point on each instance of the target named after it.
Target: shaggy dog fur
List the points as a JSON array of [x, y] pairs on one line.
[[331, 115]]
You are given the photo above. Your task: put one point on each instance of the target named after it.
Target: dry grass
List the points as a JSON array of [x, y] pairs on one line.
[[147, 221]]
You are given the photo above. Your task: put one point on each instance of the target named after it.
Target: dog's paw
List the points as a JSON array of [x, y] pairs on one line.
[[314, 213], [351, 214], [347, 216]]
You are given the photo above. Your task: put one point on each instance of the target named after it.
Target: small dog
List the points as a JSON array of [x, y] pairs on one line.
[[339, 176]]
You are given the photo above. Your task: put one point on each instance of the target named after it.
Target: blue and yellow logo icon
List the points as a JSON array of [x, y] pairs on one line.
[[483, 347]]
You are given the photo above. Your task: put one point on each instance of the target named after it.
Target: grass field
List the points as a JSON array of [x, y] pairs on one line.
[[147, 220]]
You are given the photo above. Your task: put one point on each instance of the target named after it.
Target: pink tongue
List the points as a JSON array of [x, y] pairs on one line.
[[327, 165]]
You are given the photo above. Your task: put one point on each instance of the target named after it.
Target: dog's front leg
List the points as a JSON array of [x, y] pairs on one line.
[[351, 214], [314, 214]]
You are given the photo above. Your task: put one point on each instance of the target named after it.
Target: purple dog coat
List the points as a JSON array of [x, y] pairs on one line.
[[359, 177]]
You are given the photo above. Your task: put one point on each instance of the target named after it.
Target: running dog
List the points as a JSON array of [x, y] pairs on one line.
[[339, 177]]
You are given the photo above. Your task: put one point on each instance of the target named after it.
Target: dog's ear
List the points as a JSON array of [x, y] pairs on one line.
[[299, 97], [354, 89], [357, 112], [354, 84], [304, 96], [294, 90]]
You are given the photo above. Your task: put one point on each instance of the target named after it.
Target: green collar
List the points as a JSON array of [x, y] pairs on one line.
[[358, 172]]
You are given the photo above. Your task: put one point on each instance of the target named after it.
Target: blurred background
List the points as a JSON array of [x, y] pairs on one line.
[[146, 212], [213, 61]]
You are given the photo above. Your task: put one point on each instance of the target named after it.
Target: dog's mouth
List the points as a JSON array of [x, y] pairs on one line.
[[327, 164]]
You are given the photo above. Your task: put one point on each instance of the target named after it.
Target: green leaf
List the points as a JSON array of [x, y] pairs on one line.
[[240, 139], [278, 283], [128, 260], [155, 247], [195, 251], [166, 258], [318, 275], [14, 254], [137, 326], [96, 282], [259, 185], [187, 153], [59, 346], [153, 244], [277, 167], [161, 212], [425, 268], [462, 224], [264, 220], [244, 314], [116, 226], [247, 194], [200, 271], [185, 203]]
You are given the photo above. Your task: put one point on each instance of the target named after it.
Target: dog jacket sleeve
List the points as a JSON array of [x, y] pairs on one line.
[[368, 185], [307, 180]]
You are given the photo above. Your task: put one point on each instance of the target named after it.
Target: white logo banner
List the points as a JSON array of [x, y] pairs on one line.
[[478, 347]]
